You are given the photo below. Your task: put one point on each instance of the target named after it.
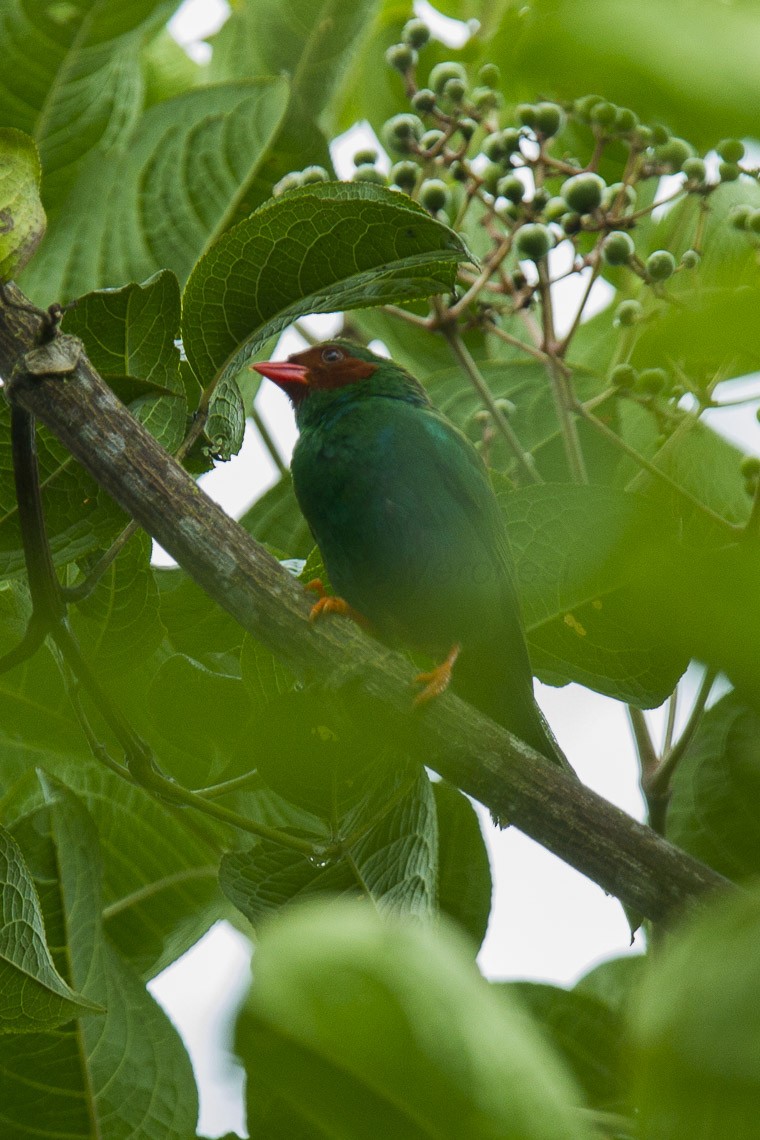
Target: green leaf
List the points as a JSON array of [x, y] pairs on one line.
[[181, 178], [130, 335], [33, 994], [204, 713], [264, 677], [276, 520], [393, 861], [195, 624], [22, 218], [120, 1073], [225, 426], [72, 79], [118, 624], [315, 250], [713, 812], [613, 981], [584, 558], [703, 85], [359, 1026], [168, 69], [310, 41], [586, 1032], [695, 1049], [464, 871]]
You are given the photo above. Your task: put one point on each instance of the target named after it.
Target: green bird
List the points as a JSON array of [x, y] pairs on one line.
[[409, 529]]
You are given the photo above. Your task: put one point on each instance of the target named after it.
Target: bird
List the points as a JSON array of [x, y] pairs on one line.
[[410, 531]]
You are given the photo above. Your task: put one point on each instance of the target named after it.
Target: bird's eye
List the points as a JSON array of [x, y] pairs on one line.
[[331, 355]]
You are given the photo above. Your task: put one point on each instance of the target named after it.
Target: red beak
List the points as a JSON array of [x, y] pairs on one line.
[[283, 372]]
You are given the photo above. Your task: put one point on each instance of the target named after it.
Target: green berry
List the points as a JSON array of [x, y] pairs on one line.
[[695, 170], [660, 134], [618, 248], [510, 138], [623, 376], [660, 265], [455, 89], [728, 171], [467, 128], [549, 119], [628, 313], [434, 194], [405, 175], [423, 100], [750, 466], [753, 222], [554, 209], [625, 120], [494, 147], [540, 198], [287, 182], [508, 210], [401, 56], [369, 173], [603, 113], [490, 176], [443, 72], [402, 132], [584, 106], [690, 259], [620, 195], [430, 138], [641, 137], [489, 75], [651, 381], [533, 241], [362, 157], [583, 192], [673, 153], [511, 187], [526, 114], [757, 415], [458, 171], [485, 98], [415, 33], [311, 174], [572, 223], [739, 216], [731, 150]]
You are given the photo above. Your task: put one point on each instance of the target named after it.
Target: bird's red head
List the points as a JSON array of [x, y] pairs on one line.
[[322, 367]]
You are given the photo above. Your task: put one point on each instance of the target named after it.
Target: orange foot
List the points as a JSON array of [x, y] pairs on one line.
[[327, 604], [437, 680]]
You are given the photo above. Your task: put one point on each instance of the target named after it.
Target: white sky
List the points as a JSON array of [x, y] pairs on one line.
[[548, 923]]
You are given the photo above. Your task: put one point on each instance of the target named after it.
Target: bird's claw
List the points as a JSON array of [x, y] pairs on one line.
[[437, 679], [327, 604]]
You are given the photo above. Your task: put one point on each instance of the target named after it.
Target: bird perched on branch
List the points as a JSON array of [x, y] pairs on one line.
[[410, 531]]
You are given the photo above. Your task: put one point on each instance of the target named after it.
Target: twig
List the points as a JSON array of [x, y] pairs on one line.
[[459, 349], [659, 781]]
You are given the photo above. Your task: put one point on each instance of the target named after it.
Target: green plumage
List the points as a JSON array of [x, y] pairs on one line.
[[401, 507]]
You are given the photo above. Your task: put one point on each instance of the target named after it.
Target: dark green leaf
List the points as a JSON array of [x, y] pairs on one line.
[[118, 1073], [714, 812], [315, 250], [464, 871], [276, 520]]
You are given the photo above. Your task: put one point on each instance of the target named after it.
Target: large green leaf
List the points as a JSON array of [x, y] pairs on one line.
[[72, 78], [315, 250], [120, 1073], [584, 558], [464, 872], [694, 1045], [310, 41], [359, 1026], [714, 811], [130, 336], [692, 64], [33, 995], [166, 191], [586, 1032], [22, 219]]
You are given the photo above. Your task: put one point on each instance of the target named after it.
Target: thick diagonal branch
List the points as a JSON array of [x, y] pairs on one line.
[[622, 856]]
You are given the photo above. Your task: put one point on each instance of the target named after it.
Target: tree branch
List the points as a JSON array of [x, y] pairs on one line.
[[624, 857]]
